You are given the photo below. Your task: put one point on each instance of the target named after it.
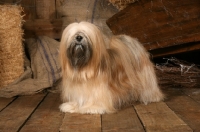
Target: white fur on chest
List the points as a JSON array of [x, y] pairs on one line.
[[93, 91]]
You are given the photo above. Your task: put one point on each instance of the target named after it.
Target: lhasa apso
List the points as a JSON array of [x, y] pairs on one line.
[[100, 75]]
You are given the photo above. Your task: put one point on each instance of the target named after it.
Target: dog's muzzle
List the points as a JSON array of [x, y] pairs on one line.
[[79, 52]]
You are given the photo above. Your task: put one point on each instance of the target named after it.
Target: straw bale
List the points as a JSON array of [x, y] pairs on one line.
[[121, 4], [11, 47]]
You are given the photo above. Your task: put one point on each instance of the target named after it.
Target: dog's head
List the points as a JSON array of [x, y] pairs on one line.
[[79, 51], [82, 46]]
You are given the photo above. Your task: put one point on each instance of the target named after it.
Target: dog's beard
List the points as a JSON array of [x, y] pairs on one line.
[[79, 52]]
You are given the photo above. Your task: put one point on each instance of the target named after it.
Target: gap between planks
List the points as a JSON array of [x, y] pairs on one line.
[[186, 105], [158, 117], [15, 114], [46, 117], [154, 116]]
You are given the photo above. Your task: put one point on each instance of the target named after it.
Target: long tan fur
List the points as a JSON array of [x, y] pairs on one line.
[[118, 73]]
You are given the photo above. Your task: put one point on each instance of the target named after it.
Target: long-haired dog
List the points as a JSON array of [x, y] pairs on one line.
[[100, 75]]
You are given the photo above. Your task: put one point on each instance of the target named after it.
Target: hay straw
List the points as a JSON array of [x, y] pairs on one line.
[[11, 48], [121, 4]]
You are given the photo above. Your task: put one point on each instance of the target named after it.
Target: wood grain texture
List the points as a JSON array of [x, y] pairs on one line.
[[176, 49], [4, 102], [45, 9], [179, 112], [41, 27], [193, 93], [13, 116], [157, 117], [47, 118], [76, 11], [186, 108], [29, 9], [59, 3], [122, 121], [81, 122], [159, 23]]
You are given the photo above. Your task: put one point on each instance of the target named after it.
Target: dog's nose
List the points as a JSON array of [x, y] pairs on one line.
[[79, 38]]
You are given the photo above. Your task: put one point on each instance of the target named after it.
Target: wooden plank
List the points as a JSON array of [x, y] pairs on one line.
[[7, 2], [76, 11], [45, 9], [29, 9], [39, 27], [59, 3], [193, 93], [158, 117], [47, 117], [13, 116], [81, 122], [159, 23], [4, 102], [123, 120], [186, 108], [176, 49]]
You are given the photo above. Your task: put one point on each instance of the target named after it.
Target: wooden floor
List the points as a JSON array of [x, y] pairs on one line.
[[180, 112]]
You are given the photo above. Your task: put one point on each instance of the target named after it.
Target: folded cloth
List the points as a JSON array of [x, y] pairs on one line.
[[41, 71]]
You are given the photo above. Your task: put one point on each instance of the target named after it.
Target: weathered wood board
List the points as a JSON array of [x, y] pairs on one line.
[[14, 116], [47, 117], [45, 9], [185, 107], [160, 23], [42, 27], [125, 120], [193, 93], [4, 102], [81, 122], [179, 112], [157, 117]]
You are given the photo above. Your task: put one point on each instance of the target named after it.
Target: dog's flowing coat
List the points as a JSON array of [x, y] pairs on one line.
[[100, 74]]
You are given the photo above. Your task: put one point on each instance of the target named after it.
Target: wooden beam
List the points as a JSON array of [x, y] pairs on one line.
[[159, 23], [41, 27], [175, 49], [45, 9]]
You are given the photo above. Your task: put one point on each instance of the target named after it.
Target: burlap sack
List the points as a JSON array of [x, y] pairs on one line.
[[41, 72]]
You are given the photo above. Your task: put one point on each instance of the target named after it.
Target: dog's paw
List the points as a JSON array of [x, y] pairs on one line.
[[70, 107]]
